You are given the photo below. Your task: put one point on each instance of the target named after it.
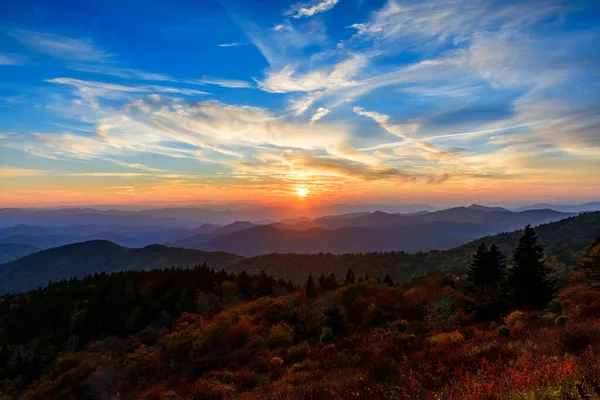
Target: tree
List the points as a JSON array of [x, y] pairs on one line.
[[309, 289], [487, 281], [590, 262], [487, 270], [388, 280], [349, 277], [530, 277]]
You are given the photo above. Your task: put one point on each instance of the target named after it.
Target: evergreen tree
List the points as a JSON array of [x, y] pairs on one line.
[[590, 262], [529, 278], [322, 283], [309, 289], [349, 277], [330, 282], [487, 270], [487, 281], [388, 281], [477, 269]]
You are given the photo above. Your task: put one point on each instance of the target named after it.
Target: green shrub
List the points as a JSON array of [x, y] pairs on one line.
[[554, 307], [327, 334], [503, 331], [561, 320]]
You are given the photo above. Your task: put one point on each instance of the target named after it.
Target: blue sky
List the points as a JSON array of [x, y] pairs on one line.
[[352, 100]]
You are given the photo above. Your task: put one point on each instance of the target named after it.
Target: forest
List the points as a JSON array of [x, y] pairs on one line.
[[509, 327]]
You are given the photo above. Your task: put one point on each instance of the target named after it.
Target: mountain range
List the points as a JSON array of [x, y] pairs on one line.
[[357, 231], [377, 231], [564, 241]]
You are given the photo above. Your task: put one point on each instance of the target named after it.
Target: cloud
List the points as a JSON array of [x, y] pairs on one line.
[[304, 10], [229, 83], [127, 73], [234, 44], [336, 77], [6, 59], [321, 112], [77, 49], [92, 90], [10, 172], [417, 23], [402, 131]]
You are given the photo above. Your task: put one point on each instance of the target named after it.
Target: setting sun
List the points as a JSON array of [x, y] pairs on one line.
[[302, 191]]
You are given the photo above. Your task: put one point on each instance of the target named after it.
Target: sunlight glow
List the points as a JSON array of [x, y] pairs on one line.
[[302, 191]]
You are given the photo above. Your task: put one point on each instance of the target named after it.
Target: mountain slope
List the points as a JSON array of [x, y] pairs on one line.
[[565, 240], [376, 231], [12, 251], [79, 259], [575, 208]]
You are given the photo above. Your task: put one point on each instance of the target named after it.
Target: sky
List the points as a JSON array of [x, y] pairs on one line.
[[270, 101]]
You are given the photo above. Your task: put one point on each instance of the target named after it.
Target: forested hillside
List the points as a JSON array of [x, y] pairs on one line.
[[203, 334], [564, 241]]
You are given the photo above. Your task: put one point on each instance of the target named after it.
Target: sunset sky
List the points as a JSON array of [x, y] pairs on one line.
[[444, 102]]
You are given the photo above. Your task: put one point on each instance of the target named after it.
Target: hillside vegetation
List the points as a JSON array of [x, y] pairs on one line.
[[201, 334], [564, 241]]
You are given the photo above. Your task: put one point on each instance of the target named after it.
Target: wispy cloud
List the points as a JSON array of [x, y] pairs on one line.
[[126, 73], [10, 172], [230, 83], [308, 10], [338, 76], [77, 49], [91, 90], [416, 23], [234, 44], [6, 59], [321, 112]]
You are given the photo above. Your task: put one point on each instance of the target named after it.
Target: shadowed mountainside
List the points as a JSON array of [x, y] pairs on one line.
[[80, 259], [564, 240]]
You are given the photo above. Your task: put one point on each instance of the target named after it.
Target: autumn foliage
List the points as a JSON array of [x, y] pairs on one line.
[[361, 340]]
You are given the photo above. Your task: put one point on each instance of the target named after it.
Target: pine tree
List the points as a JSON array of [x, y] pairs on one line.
[[349, 277], [388, 281], [322, 283], [477, 271], [487, 270], [310, 290], [590, 262], [529, 278], [487, 281]]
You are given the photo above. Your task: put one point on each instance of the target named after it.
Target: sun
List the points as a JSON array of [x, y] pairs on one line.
[[302, 191]]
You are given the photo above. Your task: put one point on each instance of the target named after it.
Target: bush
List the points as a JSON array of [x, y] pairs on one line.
[[561, 320], [299, 352], [447, 338], [554, 307], [503, 331], [327, 335], [514, 317], [517, 329], [281, 335]]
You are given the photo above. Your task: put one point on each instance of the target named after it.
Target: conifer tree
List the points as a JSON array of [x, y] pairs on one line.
[[477, 269], [590, 262], [388, 281], [487, 270], [310, 290], [487, 281], [349, 277], [529, 278]]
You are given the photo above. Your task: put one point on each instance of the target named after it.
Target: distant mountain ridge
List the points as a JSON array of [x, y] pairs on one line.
[[574, 208], [13, 251], [195, 232], [377, 231], [79, 259], [565, 239]]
